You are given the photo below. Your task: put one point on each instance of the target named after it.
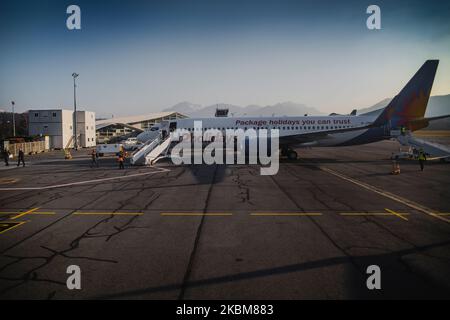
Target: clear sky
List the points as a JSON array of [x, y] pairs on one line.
[[138, 57]]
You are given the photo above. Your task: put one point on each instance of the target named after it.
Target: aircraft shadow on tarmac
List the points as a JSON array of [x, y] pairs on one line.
[[398, 281]]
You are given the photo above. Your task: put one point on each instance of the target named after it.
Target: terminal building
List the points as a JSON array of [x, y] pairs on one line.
[[57, 124], [122, 127]]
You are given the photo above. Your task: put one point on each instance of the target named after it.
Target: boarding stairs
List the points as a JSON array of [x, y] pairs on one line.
[[151, 151], [431, 149], [158, 152]]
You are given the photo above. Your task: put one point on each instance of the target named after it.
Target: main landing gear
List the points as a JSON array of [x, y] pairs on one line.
[[289, 153]]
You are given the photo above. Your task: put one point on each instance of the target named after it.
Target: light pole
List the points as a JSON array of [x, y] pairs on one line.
[[13, 119], [75, 145]]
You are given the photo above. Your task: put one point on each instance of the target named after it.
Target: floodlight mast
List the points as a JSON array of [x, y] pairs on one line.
[[75, 144]]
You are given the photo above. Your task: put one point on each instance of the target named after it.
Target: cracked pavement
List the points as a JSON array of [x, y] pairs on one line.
[[127, 249]]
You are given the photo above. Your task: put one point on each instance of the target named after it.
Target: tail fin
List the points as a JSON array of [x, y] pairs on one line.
[[410, 104]]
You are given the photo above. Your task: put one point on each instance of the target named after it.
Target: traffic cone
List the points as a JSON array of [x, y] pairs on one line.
[[395, 168]]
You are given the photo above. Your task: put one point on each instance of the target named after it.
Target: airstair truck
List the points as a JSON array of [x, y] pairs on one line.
[[113, 148]]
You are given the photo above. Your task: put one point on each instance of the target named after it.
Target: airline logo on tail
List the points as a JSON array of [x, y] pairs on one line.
[[411, 103]]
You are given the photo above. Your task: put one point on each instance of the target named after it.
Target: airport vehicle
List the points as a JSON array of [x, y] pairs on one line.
[[405, 111], [132, 144], [103, 149], [131, 141]]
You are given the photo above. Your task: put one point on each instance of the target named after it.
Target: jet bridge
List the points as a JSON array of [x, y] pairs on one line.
[[431, 149]]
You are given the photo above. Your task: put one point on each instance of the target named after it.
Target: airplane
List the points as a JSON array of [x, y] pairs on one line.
[[405, 112]]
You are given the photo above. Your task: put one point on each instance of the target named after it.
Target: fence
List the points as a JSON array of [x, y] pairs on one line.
[[27, 147]]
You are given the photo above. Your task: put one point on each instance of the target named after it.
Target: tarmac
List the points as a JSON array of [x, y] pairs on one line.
[[226, 232]]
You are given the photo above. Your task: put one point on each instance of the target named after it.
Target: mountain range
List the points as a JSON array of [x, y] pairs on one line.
[[279, 109], [437, 105]]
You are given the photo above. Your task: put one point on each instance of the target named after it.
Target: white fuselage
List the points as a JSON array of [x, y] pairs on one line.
[[287, 126]]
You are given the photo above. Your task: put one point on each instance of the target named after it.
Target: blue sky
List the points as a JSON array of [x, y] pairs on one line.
[[138, 57]]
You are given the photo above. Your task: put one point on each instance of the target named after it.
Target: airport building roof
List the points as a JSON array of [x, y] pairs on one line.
[[107, 124], [136, 119]]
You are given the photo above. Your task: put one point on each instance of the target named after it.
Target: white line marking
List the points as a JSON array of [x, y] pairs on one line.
[[85, 182]]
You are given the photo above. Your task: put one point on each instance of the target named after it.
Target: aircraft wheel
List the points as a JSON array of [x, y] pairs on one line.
[[292, 155]]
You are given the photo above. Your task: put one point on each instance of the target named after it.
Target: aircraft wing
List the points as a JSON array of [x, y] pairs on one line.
[[419, 123], [318, 135], [437, 118]]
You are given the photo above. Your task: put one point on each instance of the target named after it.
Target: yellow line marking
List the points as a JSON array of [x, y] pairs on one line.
[[17, 225], [389, 195], [24, 213], [110, 213], [187, 214], [43, 212], [443, 214], [396, 214], [7, 180], [274, 214], [35, 212], [370, 214]]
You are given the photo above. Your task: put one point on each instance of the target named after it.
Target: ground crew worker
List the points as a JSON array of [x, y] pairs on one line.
[[94, 157], [403, 130], [422, 159], [395, 165], [121, 160], [21, 158], [6, 156]]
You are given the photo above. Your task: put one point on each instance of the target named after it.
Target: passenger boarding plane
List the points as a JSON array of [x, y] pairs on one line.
[[405, 112]]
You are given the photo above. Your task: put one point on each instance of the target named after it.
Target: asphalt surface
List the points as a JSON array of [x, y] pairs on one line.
[[226, 232]]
